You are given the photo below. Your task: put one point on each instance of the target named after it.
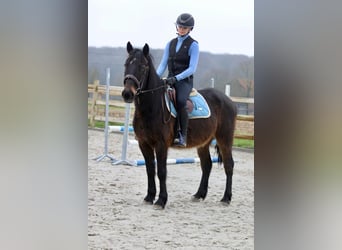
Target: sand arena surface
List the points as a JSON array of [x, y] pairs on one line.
[[118, 219]]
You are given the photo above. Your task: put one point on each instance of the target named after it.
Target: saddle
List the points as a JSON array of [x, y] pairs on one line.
[[197, 106], [172, 95]]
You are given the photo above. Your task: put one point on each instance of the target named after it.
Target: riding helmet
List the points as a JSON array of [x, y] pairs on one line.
[[186, 20]]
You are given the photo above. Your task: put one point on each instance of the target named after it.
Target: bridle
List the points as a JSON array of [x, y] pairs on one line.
[[140, 83]]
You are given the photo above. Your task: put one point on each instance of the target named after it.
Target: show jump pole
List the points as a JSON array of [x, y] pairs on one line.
[[105, 154]]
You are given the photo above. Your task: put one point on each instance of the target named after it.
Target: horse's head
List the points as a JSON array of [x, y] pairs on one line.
[[136, 71]]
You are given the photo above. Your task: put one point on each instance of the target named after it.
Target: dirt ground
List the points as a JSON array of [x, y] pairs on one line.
[[118, 218]]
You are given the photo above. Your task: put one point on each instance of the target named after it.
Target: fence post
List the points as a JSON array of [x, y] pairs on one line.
[[93, 108]]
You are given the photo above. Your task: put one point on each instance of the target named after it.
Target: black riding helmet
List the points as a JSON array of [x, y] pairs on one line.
[[186, 20]]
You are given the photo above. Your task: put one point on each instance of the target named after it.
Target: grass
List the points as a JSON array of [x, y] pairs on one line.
[[111, 107], [101, 124], [241, 143]]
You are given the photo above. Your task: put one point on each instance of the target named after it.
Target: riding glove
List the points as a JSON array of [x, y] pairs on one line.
[[171, 80]]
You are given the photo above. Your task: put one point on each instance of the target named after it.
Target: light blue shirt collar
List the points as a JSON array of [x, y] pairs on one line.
[[180, 40]]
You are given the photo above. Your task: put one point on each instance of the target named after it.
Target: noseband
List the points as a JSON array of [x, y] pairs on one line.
[[135, 80]]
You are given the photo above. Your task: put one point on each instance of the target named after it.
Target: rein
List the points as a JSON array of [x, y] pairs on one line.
[[139, 91]]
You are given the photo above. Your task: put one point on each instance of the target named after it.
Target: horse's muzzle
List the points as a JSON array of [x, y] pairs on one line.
[[127, 95]]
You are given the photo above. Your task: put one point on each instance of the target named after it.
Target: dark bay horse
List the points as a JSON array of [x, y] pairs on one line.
[[154, 126]]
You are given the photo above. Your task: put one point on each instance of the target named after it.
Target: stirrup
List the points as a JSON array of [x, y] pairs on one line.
[[180, 141], [176, 138]]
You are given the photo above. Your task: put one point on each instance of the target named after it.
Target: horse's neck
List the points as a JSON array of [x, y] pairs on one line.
[[153, 78]]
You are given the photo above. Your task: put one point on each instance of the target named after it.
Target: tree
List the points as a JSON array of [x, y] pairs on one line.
[[245, 75]]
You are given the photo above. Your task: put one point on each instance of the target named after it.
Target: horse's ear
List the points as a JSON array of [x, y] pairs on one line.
[[146, 49], [129, 47]]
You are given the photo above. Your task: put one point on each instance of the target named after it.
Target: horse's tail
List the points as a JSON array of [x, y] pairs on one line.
[[219, 156]]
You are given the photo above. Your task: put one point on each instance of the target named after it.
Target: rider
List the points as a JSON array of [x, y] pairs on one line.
[[181, 57]]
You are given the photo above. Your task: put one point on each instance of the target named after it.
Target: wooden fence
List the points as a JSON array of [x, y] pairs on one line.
[[97, 103]]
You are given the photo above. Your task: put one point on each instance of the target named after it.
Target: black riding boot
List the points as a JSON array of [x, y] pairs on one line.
[[182, 133]]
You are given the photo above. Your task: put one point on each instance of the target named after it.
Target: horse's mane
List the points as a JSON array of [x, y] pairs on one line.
[[150, 59]]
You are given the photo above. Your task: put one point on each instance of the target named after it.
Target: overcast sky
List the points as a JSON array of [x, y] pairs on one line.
[[221, 26]]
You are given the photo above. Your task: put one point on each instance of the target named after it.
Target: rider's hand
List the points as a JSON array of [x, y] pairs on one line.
[[171, 80]]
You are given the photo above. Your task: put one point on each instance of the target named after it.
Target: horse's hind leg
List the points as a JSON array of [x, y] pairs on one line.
[[228, 163], [206, 165], [228, 168]]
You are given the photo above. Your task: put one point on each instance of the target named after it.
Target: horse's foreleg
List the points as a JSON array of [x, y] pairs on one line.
[[148, 154], [161, 154], [206, 165]]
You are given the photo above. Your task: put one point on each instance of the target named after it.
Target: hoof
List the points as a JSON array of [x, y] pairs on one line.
[[195, 199], [149, 199], [159, 204], [225, 202], [145, 202], [158, 207]]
